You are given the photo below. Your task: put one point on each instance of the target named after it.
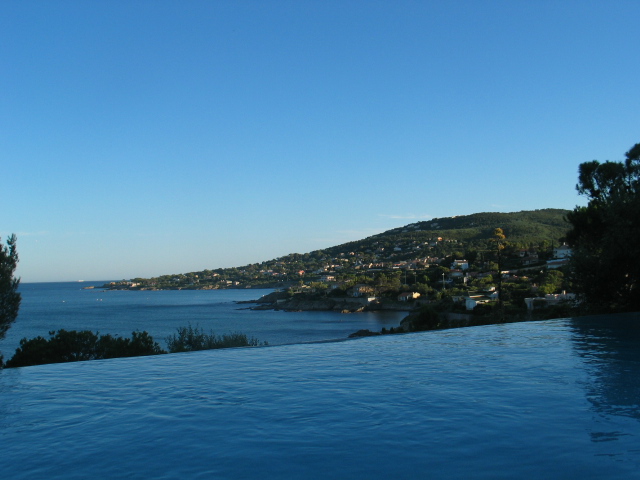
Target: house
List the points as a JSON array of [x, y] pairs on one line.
[[549, 299], [456, 273], [563, 251], [360, 290], [462, 264], [406, 296], [474, 299]]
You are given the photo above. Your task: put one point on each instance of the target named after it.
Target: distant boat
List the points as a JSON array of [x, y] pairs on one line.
[[80, 281]]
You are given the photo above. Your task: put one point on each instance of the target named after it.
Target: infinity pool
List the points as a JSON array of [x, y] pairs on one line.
[[553, 399]]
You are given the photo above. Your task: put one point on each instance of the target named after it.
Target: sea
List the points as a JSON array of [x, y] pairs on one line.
[[555, 399], [49, 307]]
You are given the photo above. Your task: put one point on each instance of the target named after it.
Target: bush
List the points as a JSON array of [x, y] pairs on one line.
[[426, 318], [73, 346], [191, 339]]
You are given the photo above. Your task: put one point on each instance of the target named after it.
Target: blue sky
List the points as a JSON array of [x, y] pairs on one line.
[[141, 138]]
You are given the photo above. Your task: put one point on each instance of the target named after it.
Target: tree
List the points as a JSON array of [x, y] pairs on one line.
[[73, 346], [499, 239], [9, 295], [605, 263], [550, 282]]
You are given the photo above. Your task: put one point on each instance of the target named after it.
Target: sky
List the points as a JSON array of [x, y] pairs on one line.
[[143, 138]]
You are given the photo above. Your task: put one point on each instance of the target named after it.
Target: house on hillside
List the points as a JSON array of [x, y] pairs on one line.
[[549, 300], [561, 256], [473, 299], [360, 290], [530, 259], [563, 251], [461, 264], [406, 296]]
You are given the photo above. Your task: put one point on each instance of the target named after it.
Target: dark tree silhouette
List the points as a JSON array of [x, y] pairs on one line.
[[9, 295], [605, 235]]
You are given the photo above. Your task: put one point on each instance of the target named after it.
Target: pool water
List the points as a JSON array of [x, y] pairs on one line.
[[552, 399]]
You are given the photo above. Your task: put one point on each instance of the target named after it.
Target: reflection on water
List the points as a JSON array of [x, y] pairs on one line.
[[550, 399], [610, 349]]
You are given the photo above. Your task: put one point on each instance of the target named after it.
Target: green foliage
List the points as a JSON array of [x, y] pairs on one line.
[[514, 292], [9, 295], [550, 282], [482, 283], [435, 275], [426, 318], [499, 240], [190, 339], [387, 283], [484, 309], [461, 236], [423, 288], [604, 235], [319, 287], [73, 346], [560, 310]]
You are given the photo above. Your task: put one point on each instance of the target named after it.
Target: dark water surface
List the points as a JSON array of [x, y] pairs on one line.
[[52, 306], [556, 399]]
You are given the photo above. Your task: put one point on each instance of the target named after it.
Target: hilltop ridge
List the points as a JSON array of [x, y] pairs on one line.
[[410, 247]]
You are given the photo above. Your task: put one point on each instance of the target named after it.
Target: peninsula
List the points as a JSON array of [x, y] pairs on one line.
[[457, 261]]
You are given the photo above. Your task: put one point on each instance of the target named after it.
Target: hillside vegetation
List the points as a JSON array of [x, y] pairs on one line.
[[423, 243]]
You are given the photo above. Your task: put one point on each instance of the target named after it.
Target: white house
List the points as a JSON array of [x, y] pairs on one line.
[[549, 299], [474, 300], [563, 251], [477, 298], [462, 264]]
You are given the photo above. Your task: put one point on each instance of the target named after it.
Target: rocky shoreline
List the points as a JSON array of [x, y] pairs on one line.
[[420, 317], [309, 303]]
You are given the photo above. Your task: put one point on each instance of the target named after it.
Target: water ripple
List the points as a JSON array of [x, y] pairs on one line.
[[513, 401]]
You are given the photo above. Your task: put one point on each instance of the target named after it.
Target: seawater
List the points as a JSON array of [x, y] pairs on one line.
[[555, 400], [53, 306]]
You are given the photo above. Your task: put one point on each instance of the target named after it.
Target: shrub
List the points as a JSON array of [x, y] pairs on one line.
[[191, 339], [73, 346], [426, 318]]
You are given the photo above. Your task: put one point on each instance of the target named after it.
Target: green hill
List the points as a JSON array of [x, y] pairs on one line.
[[525, 229], [461, 236]]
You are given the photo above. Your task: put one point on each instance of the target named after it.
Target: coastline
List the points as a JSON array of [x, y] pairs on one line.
[[312, 303]]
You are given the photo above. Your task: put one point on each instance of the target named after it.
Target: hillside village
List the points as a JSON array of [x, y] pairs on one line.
[[454, 259]]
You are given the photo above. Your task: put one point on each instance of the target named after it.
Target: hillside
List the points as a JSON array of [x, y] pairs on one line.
[[408, 247], [527, 228]]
